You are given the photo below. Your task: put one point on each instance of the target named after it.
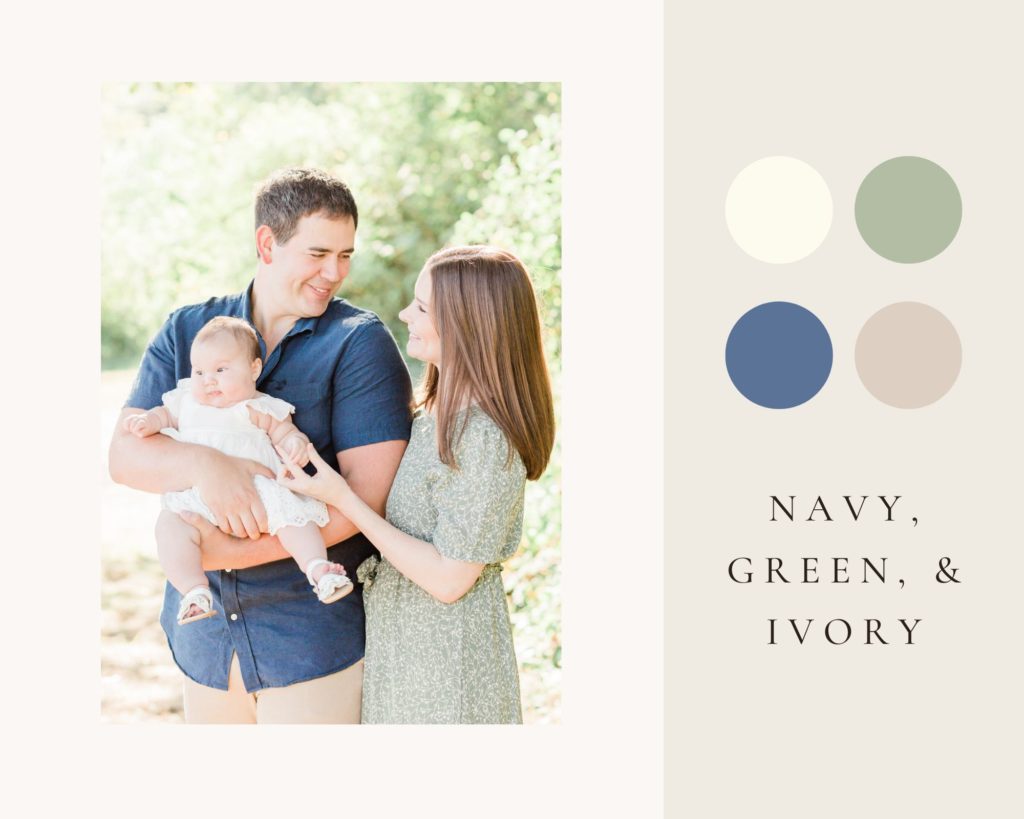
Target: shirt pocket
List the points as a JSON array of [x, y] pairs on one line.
[[312, 404]]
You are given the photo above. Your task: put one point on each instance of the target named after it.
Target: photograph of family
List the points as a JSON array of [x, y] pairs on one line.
[[331, 340]]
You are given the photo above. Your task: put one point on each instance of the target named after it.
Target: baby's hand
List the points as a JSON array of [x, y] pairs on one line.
[[294, 447], [141, 426]]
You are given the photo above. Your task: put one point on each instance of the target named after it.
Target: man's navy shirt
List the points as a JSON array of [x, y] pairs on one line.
[[350, 387]]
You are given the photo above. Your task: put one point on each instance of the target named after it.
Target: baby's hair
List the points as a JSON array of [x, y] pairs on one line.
[[240, 330]]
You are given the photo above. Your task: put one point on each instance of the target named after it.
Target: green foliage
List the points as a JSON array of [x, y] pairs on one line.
[[181, 161], [429, 165], [521, 211]]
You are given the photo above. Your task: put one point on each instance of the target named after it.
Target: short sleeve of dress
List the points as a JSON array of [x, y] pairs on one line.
[[480, 505], [269, 405], [172, 399]]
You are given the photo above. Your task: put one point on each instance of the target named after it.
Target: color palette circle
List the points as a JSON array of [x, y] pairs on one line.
[[778, 209], [779, 355], [908, 209], [908, 355]]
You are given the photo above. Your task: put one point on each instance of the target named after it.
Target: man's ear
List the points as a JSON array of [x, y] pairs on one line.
[[264, 243]]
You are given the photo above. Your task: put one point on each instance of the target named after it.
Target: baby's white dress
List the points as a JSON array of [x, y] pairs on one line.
[[229, 430]]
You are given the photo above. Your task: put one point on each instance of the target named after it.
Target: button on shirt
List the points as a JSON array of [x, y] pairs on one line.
[[350, 387]]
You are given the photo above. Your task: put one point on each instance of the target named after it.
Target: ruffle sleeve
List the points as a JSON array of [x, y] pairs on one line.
[[269, 405], [172, 399]]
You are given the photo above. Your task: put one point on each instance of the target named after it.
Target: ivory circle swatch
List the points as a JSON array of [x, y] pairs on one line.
[[778, 209], [779, 355], [908, 355], [908, 209]]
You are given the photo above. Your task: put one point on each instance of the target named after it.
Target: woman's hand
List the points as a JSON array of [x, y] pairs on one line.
[[327, 485]]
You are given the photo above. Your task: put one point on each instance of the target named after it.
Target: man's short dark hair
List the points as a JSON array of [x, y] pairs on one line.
[[290, 194]]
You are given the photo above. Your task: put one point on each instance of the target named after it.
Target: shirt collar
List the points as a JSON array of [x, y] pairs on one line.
[[307, 325], [247, 303]]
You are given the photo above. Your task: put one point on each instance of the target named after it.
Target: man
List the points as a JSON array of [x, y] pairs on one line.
[[275, 653]]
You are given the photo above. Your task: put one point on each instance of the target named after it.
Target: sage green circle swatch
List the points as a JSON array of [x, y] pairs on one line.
[[908, 209], [908, 355]]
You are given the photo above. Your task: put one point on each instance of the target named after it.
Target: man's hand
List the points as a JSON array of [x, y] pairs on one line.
[[226, 487], [220, 551], [141, 426]]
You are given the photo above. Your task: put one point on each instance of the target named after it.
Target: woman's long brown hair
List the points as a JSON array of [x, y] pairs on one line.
[[485, 312]]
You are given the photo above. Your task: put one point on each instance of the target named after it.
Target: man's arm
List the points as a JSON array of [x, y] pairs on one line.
[[370, 471], [155, 464], [160, 464]]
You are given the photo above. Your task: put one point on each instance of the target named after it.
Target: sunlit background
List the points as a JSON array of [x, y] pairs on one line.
[[429, 165]]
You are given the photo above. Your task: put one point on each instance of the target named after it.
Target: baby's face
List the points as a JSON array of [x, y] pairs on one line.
[[222, 373]]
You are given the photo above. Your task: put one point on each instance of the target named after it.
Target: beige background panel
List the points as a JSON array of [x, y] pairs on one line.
[[820, 730]]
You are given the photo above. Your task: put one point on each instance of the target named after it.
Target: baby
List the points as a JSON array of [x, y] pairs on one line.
[[219, 407]]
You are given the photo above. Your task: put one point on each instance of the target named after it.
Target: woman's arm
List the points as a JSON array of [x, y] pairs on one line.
[[441, 577]]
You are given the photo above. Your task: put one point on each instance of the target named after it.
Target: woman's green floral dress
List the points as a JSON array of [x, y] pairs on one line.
[[433, 662]]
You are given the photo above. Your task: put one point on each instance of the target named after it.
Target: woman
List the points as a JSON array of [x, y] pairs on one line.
[[438, 638]]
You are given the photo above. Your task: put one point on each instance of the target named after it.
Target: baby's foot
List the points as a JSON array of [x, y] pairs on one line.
[[330, 582], [196, 605], [327, 568]]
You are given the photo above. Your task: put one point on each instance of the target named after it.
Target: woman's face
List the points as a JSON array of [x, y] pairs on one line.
[[424, 343]]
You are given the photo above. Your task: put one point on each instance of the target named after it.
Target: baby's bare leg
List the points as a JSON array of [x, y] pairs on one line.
[[177, 545], [304, 543]]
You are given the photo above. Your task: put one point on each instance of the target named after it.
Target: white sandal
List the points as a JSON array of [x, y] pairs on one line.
[[201, 597], [332, 586]]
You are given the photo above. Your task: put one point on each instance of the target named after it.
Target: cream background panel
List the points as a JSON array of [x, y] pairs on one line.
[[611, 731]]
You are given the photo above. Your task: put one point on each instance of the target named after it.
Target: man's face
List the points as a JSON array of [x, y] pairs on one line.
[[308, 269]]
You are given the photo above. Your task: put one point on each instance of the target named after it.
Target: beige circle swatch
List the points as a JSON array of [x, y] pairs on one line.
[[908, 355], [778, 209]]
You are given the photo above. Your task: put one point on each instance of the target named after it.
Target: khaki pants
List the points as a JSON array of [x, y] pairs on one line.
[[334, 699]]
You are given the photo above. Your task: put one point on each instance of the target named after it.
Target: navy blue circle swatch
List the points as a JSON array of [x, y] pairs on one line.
[[779, 355]]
